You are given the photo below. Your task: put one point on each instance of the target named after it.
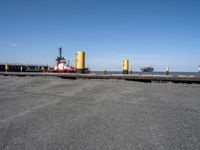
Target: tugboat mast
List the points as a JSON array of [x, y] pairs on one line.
[[60, 52], [60, 58]]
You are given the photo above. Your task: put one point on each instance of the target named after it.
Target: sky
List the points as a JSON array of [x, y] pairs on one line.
[[158, 33]]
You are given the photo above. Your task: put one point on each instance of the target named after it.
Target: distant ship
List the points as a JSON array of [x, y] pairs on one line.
[[147, 69]]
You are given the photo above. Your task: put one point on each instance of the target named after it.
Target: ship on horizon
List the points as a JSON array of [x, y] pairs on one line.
[[147, 69]]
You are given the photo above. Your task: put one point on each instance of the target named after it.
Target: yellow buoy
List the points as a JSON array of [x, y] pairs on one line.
[[79, 61], [125, 66], [6, 67]]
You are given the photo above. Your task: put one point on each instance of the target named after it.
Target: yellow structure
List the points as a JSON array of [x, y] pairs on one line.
[[6, 67], [125, 66], [21, 69], [42, 68], [48, 68], [75, 59], [167, 70], [79, 61]]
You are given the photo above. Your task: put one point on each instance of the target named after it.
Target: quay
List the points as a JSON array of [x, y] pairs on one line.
[[47, 113], [130, 77]]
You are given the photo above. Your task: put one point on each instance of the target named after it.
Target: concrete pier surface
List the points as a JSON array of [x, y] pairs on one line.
[[53, 113], [130, 77]]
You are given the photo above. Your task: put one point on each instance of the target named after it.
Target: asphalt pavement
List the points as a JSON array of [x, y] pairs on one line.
[[48, 113]]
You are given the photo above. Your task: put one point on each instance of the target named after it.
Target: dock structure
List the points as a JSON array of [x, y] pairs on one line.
[[23, 68], [130, 77]]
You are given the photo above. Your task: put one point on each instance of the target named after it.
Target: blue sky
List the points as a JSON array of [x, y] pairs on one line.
[[159, 33]]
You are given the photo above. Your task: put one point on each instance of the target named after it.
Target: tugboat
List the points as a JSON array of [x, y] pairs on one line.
[[61, 65], [147, 69]]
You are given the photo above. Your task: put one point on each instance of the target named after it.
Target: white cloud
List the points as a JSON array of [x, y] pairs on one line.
[[13, 44]]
